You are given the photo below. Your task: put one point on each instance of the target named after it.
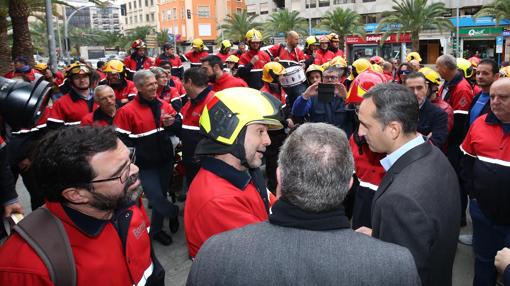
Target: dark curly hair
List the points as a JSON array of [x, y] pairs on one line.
[[61, 159]]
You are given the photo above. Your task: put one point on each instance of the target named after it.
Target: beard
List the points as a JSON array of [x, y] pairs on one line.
[[212, 78], [109, 203]]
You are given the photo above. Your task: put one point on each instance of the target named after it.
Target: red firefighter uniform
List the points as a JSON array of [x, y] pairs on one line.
[[282, 96], [369, 173], [29, 75], [323, 56], [70, 109], [252, 73], [127, 90], [103, 254], [220, 198], [97, 118], [131, 64], [228, 81], [222, 56], [194, 57], [287, 57]]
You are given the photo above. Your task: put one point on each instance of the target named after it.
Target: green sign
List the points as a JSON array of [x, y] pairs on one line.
[[480, 32]]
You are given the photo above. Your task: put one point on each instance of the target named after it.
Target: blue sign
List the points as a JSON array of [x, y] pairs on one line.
[[499, 41], [477, 22], [506, 33]]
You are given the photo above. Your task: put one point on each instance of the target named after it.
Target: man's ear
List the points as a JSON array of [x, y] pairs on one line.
[[76, 196], [395, 129], [278, 185]]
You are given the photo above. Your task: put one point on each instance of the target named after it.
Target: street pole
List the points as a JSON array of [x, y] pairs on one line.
[[457, 33], [59, 39], [66, 23], [51, 36]]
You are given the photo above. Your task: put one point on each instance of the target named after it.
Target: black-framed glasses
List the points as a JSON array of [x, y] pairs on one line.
[[124, 175]]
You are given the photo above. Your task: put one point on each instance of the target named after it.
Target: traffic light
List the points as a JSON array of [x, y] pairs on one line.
[[188, 13]]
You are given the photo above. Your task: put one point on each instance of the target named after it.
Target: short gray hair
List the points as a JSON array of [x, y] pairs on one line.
[[158, 71], [140, 77], [101, 88], [449, 61], [395, 102], [316, 167]]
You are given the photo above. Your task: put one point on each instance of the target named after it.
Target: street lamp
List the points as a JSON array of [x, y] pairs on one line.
[[66, 23]]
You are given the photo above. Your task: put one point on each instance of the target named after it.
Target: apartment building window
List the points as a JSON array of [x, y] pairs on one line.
[[129, 5], [146, 3], [369, 18], [152, 3], [324, 3], [264, 8], [146, 17], [140, 3], [134, 4], [311, 3], [131, 20], [470, 10], [136, 19], [126, 20], [168, 14], [364, 1], [338, 2], [152, 17], [203, 11], [239, 10]]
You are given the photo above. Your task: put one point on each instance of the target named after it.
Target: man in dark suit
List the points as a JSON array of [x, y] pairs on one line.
[[433, 121], [417, 203], [311, 240]]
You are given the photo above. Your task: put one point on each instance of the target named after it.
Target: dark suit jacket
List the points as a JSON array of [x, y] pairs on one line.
[[433, 119], [417, 206]]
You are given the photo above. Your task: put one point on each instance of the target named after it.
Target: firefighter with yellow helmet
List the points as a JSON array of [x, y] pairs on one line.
[[251, 63], [198, 51], [323, 54], [77, 102], [229, 191], [311, 46], [434, 81], [116, 78], [232, 64], [224, 51], [334, 45], [314, 74]]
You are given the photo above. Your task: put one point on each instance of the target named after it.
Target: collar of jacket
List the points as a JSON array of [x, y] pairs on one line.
[[201, 95], [87, 224], [491, 119], [75, 96], [455, 80], [286, 214], [240, 179], [99, 114]]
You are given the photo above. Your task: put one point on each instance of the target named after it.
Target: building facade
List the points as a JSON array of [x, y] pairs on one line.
[[189, 19], [432, 43], [139, 13]]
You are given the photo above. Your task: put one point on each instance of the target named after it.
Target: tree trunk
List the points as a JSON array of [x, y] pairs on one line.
[[415, 38], [19, 11], [5, 50]]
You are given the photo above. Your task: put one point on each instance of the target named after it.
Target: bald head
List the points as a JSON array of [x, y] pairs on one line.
[[500, 99], [292, 39], [446, 66]]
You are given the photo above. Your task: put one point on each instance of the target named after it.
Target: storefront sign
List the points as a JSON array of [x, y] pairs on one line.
[[506, 33], [499, 45], [376, 39], [480, 32]]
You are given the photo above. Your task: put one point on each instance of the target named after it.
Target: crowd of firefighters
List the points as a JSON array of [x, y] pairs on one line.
[[107, 95]]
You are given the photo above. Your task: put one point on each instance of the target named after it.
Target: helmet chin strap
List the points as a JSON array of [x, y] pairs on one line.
[[238, 150]]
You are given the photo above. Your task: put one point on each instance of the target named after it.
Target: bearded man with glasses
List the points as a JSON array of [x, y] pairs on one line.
[[92, 189]]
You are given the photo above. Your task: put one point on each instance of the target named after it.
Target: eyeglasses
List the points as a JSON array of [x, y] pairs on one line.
[[404, 72], [330, 77], [124, 175]]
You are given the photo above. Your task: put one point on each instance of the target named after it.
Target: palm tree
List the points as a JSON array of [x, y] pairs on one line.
[[284, 21], [19, 11], [343, 22], [499, 9], [413, 16], [236, 25], [5, 49]]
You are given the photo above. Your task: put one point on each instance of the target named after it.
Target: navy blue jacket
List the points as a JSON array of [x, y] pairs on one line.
[[333, 112], [433, 119]]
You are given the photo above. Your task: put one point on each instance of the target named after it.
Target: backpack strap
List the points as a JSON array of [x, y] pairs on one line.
[[46, 235]]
